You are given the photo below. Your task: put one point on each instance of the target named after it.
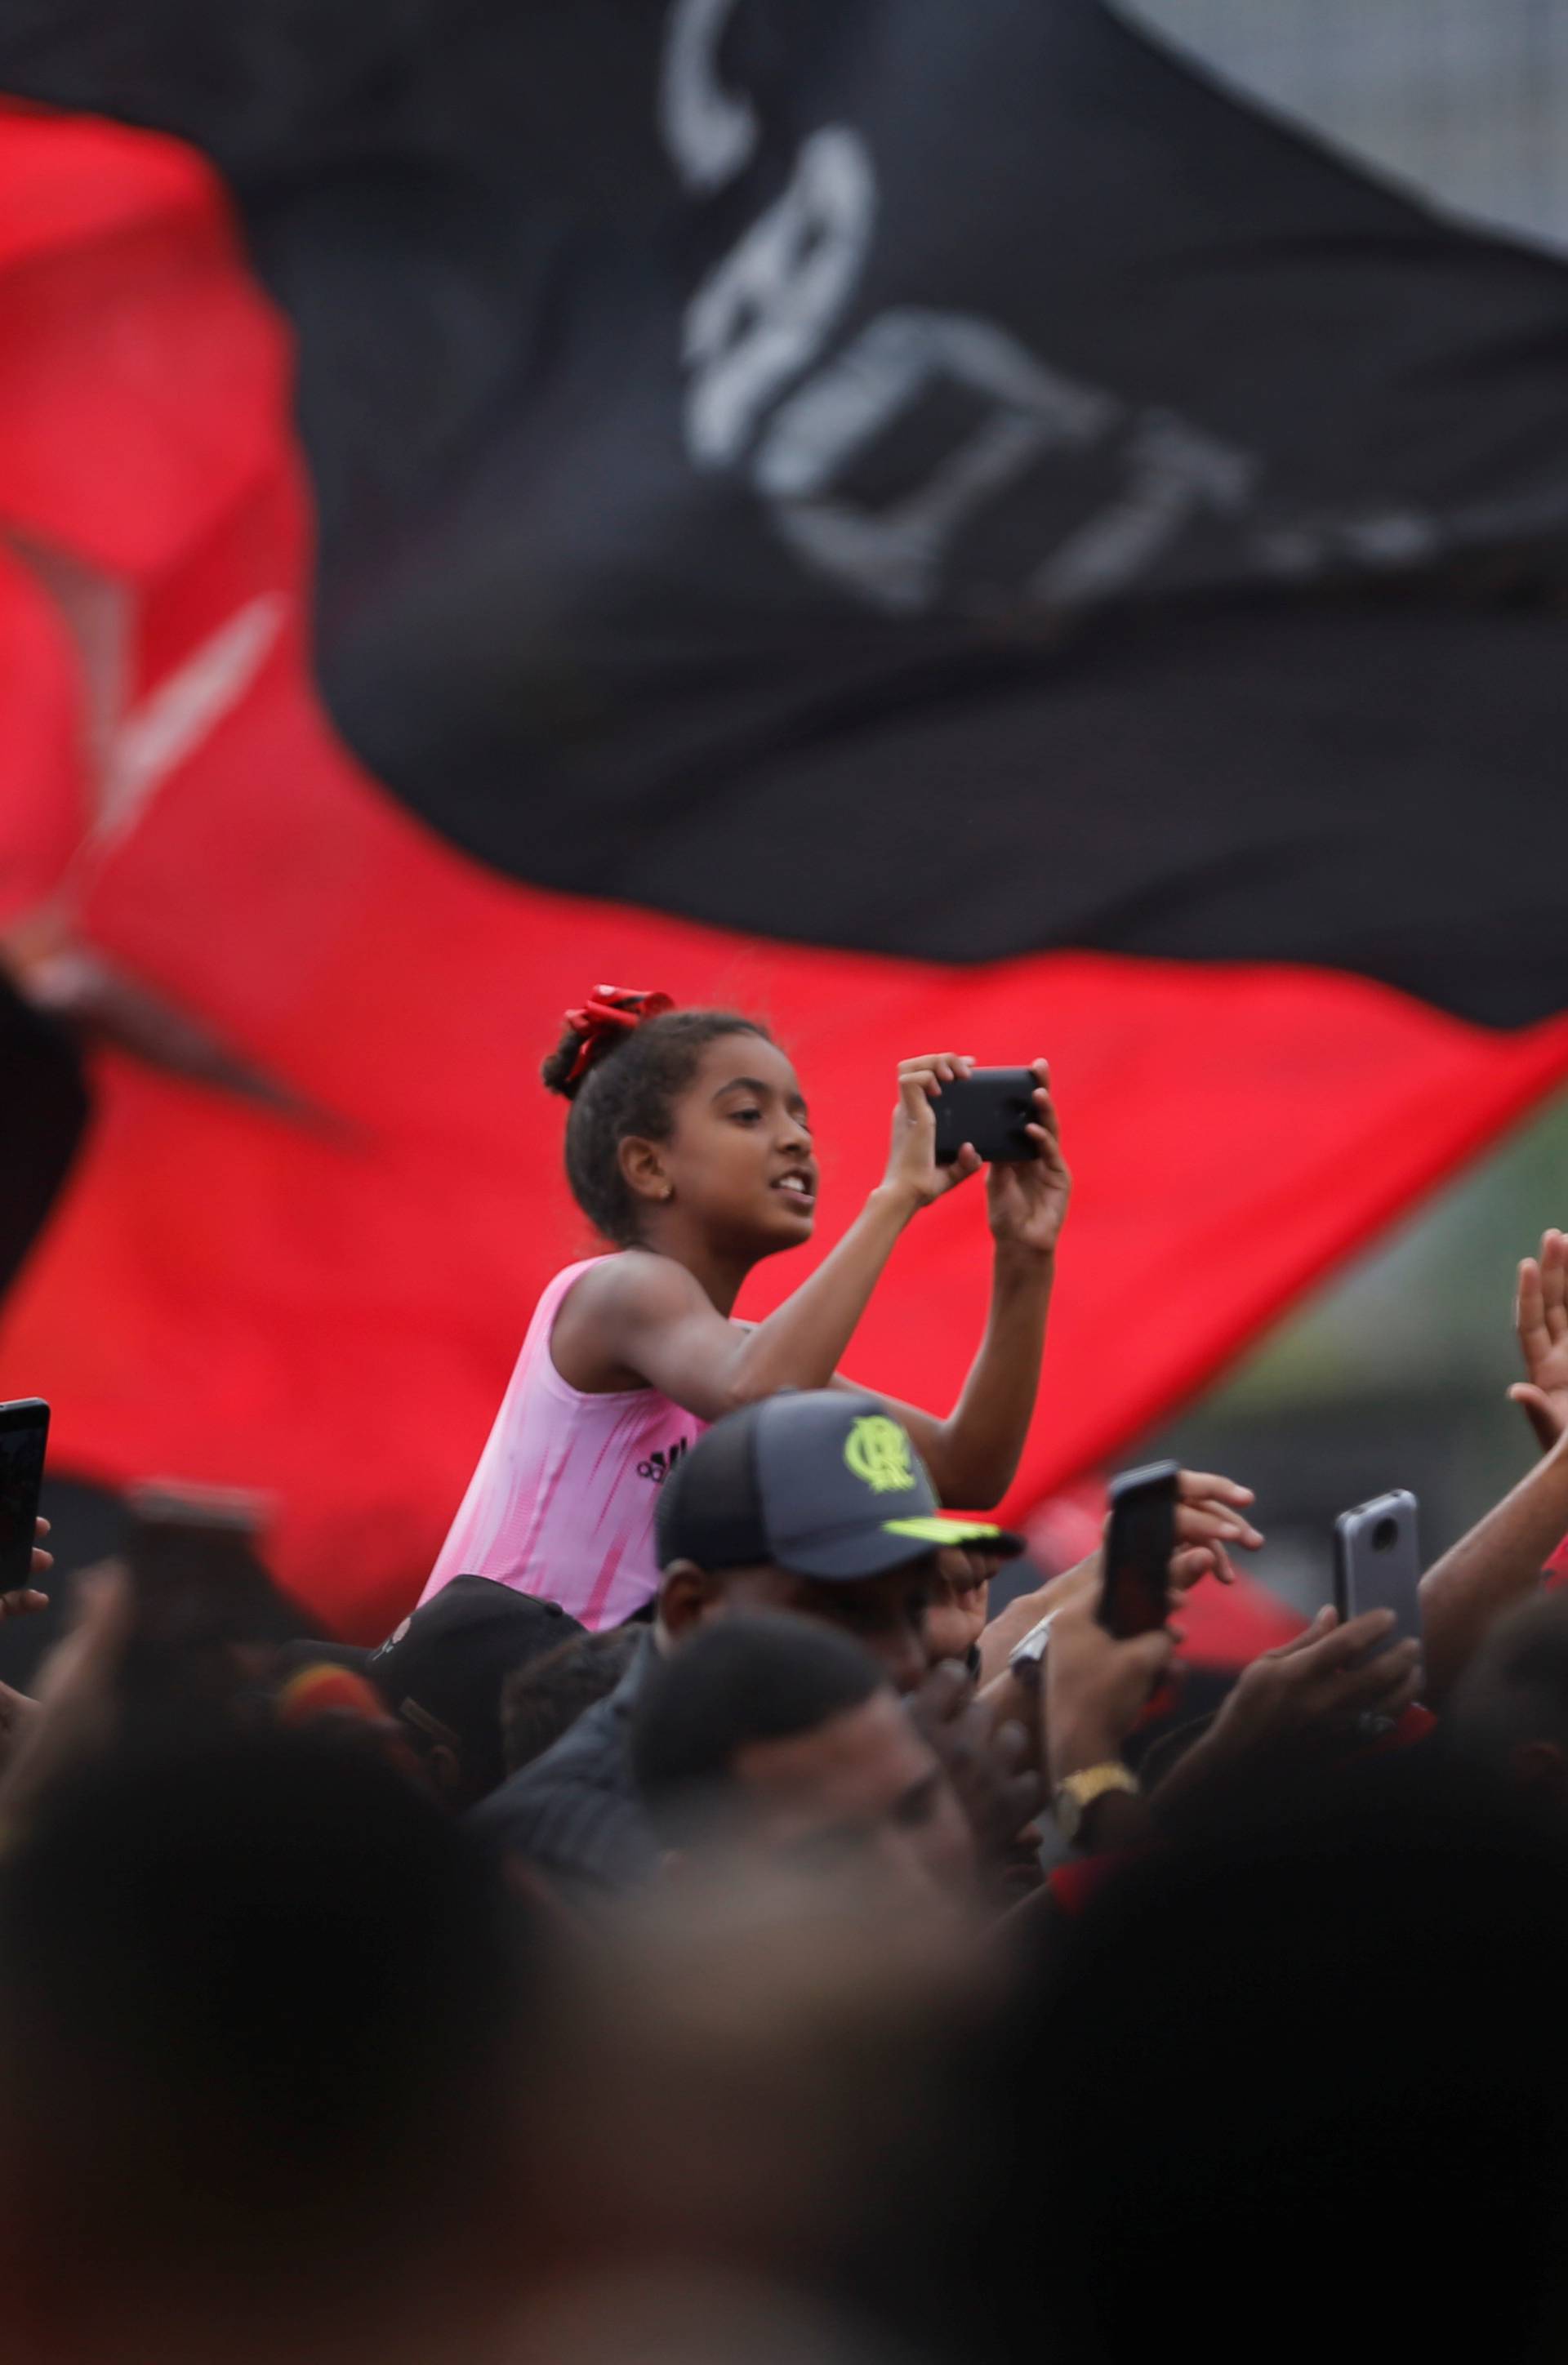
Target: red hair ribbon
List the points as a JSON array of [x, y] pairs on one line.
[[610, 1012]]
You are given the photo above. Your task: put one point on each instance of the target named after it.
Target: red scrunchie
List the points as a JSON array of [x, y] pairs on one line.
[[610, 1012]]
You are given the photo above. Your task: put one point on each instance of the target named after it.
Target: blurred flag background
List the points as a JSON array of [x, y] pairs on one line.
[[968, 527]]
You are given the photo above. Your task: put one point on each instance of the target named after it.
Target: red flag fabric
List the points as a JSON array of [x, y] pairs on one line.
[[307, 1264]]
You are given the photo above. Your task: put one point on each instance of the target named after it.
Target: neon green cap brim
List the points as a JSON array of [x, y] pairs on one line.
[[940, 1530]]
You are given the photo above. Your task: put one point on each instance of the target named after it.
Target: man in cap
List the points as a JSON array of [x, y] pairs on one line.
[[814, 1504], [780, 1736]]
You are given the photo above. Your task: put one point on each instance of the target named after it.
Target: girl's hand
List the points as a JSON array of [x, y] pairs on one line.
[[1028, 1202], [912, 1162]]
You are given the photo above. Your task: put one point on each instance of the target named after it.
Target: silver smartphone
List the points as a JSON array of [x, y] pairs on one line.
[[1377, 1562]]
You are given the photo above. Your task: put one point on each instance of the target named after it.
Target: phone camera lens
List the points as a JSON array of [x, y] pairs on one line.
[[1386, 1535]]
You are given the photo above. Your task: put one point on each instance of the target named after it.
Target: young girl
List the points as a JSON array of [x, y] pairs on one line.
[[689, 1149]]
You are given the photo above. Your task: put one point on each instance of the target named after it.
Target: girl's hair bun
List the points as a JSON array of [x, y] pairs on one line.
[[611, 1015], [559, 1069]]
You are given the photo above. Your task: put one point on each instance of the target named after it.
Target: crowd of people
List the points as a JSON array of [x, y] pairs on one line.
[[702, 1931]]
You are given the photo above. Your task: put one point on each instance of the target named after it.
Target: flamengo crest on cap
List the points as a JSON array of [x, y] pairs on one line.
[[877, 1452]]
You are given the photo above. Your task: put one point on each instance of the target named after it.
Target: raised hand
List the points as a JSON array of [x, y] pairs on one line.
[[1540, 1320], [1028, 1201], [1096, 1686], [911, 1158], [1313, 1696], [1211, 1512], [990, 1768]]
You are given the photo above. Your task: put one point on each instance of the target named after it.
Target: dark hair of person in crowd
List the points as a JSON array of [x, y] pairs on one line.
[[1322, 2050], [746, 1679], [259, 2012], [440, 1676], [544, 1700], [629, 1092]]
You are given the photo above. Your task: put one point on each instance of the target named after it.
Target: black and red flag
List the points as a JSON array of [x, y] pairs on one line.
[[935, 522]]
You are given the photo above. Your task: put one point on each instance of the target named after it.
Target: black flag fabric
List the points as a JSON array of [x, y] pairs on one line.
[[729, 409], [942, 493]]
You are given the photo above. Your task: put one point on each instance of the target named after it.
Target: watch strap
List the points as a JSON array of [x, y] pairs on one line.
[[1076, 1793]]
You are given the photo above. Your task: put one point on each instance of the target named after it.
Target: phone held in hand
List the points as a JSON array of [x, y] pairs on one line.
[[1377, 1562], [191, 1551], [23, 1433], [1139, 1540], [991, 1108]]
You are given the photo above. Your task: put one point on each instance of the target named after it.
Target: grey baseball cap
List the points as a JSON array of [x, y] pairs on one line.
[[824, 1481]]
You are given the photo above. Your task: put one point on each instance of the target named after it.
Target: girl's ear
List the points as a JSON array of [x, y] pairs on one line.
[[643, 1170]]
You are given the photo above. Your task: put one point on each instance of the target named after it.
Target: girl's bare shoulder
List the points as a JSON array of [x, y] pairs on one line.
[[633, 1281]]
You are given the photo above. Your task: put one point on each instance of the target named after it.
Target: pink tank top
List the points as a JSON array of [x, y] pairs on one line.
[[561, 1504]]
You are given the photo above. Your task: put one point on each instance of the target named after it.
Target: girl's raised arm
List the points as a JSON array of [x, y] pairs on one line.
[[973, 1453], [645, 1316]]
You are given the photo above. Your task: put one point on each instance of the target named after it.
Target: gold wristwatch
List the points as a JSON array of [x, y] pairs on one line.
[[1076, 1793]]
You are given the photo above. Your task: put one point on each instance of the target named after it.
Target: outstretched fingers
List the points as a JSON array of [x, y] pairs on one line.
[[1211, 1523], [1553, 1270], [1210, 1508], [1200, 1485], [1530, 1312]]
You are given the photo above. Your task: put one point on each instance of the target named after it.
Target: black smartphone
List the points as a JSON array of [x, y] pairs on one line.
[[192, 1555], [991, 1108], [1377, 1562], [23, 1433], [1140, 1537]]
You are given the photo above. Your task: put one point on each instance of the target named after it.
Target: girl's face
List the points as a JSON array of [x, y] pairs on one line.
[[739, 1156]]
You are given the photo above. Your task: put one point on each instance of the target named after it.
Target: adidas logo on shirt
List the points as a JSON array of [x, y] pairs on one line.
[[660, 1466]]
